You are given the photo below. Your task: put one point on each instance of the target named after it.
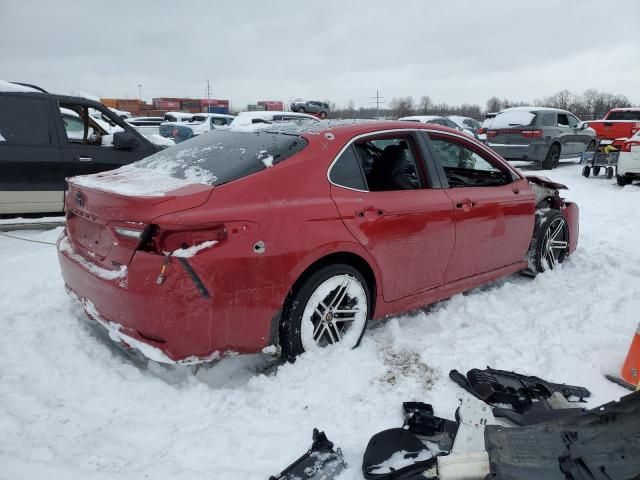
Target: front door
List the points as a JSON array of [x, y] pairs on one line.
[[379, 185], [493, 208]]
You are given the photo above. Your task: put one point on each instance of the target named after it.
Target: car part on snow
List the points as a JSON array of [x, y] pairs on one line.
[[397, 454], [330, 306], [550, 243], [420, 420], [321, 462], [601, 443], [630, 372], [519, 391]]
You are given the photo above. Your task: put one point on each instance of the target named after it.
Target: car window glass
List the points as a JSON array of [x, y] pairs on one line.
[[74, 118], [573, 121], [389, 163], [24, 120], [465, 167], [549, 120], [218, 121], [563, 120], [451, 124], [346, 172]]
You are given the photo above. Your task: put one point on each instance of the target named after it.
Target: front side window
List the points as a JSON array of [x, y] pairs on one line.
[[81, 127], [563, 120], [24, 121], [464, 167], [389, 163], [573, 121]]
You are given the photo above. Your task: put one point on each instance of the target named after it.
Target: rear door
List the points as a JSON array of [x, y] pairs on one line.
[[31, 168], [493, 207], [405, 226], [95, 152]]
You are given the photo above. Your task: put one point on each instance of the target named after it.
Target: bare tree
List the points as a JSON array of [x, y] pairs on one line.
[[426, 105]]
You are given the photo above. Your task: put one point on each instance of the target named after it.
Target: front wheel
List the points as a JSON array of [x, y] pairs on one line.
[[550, 243], [622, 180], [330, 307], [323, 115]]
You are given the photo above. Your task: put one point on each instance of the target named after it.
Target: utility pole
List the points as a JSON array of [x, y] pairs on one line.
[[140, 91], [208, 95], [378, 100]]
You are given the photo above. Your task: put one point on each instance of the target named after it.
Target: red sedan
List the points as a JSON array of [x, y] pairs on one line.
[[295, 236]]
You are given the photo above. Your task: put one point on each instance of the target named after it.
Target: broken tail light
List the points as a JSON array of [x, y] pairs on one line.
[[128, 234], [169, 238]]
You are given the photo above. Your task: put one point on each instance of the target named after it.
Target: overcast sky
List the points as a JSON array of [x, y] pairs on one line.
[[454, 51]]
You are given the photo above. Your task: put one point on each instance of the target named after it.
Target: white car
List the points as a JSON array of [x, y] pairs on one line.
[[247, 119], [438, 120], [628, 168], [467, 123]]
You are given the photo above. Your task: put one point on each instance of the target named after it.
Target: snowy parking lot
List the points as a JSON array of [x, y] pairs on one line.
[[73, 407]]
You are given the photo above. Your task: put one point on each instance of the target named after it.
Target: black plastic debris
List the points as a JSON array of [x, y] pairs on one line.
[[321, 462], [398, 454], [602, 443], [420, 420], [510, 388]]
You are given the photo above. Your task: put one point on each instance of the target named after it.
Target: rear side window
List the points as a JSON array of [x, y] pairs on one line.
[[346, 172], [221, 156], [24, 121], [549, 120]]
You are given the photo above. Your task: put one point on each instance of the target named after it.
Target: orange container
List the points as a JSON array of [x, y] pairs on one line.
[[631, 368]]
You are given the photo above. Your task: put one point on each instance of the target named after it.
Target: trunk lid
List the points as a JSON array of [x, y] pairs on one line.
[[102, 224], [510, 136]]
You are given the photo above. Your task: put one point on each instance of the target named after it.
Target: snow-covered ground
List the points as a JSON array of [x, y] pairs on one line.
[[71, 407]]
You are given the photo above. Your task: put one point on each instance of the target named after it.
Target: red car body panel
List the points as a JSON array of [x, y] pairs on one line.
[[418, 251], [618, 131]]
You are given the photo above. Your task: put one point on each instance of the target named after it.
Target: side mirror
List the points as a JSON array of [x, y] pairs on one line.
[[583, 125], [124, 140]]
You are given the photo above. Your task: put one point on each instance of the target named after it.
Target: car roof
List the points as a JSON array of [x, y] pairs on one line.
[[421, 118], [533, 109], [267, 114], [625, 109]]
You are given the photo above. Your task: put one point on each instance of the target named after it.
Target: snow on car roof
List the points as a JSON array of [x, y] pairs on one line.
[[532, 108], [14, 87], [420, 118]]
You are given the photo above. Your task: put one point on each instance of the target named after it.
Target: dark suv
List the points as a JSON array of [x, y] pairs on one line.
[[45, 138], [320, 109], [538, 134]]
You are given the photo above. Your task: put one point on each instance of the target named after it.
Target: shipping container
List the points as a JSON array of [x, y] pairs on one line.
[[255, 108], [109, 102], [217, 109], [272, 105], [167, 105]]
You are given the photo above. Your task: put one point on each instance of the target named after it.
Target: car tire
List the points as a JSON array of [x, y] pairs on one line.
[[609, 173], [323, 115], [553, 157], [550, 242], [301, 110], [586, 171], [596, 171], [331, 306], [622, 180]]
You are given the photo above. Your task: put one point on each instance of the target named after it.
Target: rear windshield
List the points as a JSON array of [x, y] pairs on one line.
[[630, 115], [221, 156], [513, 118]]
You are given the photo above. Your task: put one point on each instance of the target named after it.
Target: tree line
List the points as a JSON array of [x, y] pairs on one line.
[[592, 104]]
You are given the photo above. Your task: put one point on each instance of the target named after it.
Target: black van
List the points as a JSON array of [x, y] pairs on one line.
[[45, 138]]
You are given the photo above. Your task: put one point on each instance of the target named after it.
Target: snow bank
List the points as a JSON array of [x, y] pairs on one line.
[[71, 407]]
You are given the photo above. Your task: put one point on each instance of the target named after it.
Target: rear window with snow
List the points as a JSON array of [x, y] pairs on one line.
[[513, 118], [221, 156]]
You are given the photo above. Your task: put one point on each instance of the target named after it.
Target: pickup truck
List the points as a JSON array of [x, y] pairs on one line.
[[45, 138], [617, 126]]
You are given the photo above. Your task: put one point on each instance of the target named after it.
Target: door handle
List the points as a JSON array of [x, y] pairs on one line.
[[84, 159], [369, 212], [466, 204]]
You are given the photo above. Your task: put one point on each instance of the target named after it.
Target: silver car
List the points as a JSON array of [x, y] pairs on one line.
[[538, 134], [320, 109]]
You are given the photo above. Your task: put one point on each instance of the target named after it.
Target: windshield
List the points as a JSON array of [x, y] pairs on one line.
[[628, 115], [513, 118], [221, 156]]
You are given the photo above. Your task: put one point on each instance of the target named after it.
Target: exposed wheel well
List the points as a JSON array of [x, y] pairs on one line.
[[348, 258], [555, 142]]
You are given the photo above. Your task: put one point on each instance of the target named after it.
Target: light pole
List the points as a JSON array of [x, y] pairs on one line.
[[140, 91]]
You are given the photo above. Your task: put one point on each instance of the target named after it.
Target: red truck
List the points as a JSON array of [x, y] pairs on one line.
[[617, 126]]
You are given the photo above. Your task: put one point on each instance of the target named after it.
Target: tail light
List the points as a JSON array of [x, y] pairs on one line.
[[626, 146], [169, 238], [128, 234], [174, 133], [491, 133], [532, 133], [482, 130]]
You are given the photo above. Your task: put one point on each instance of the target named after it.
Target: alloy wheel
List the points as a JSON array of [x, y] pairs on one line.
[[555, 243]]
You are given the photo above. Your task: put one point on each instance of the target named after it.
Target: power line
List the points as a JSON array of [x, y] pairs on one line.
[[378, 100]]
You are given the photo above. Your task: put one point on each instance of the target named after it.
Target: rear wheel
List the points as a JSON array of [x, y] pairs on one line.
[[609, 173], [622, 180], [586, 171], [550, 243], [553, 157], [330, 307], [323, 115]]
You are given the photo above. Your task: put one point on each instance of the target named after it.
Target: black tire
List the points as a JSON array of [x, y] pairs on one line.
[[323, 115], [553, 157], [301, 110], [291, 342], [586, 171], [592, 146], [596, 171], [549, 235], [609, 173], [622, 180]]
